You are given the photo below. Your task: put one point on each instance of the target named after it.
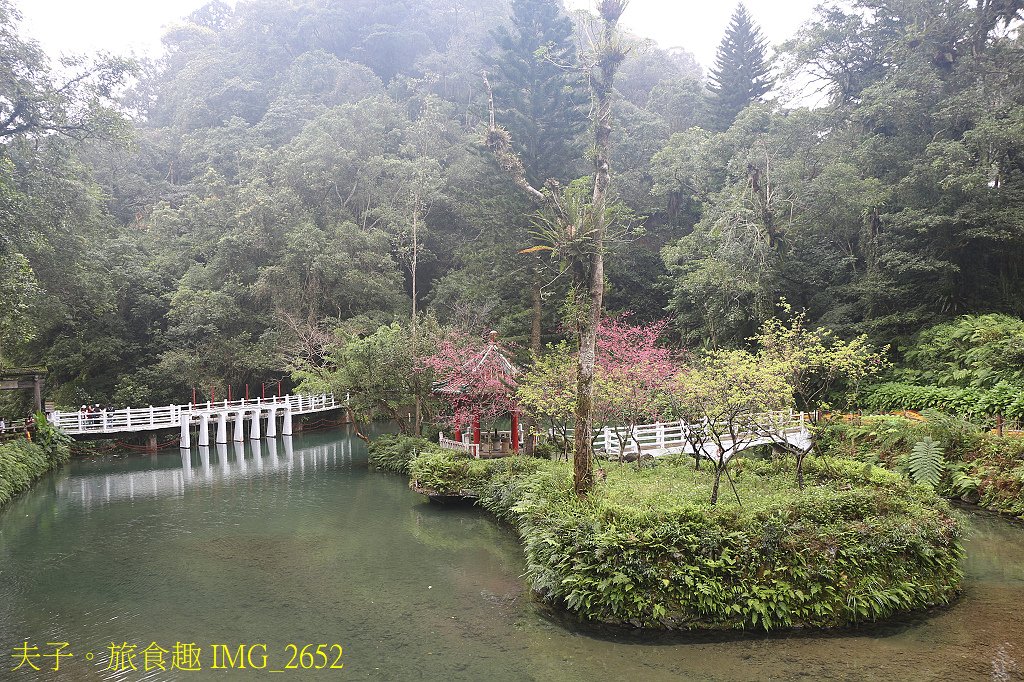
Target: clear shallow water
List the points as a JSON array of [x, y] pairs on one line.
[[298, 542]]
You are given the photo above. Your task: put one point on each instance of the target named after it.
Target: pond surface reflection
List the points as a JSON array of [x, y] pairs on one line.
[[288, 541]]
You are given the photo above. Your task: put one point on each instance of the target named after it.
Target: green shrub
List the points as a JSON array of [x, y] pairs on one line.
[[547, 450], [394, 452], [972, 350], [646, 549]]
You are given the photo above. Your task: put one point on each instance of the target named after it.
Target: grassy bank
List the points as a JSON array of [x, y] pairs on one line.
[[23, 461], [646, 549], [971, 464]]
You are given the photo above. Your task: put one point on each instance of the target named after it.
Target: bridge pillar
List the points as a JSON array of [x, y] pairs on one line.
[[271, 423], [186, 435], [239, 426], [204, 430], [222, 427], [254, 425], [151, 443], [286, 424]]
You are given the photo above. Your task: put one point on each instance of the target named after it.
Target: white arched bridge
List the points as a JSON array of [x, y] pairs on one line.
[[717, 441], [228, 420]]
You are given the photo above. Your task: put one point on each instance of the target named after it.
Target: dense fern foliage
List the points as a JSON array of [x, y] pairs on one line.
[[645, 549], [394, 452], [23, 461], [976, 466], [1002, 399]]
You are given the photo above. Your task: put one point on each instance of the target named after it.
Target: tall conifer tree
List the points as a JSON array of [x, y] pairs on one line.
[[741, 74], [538, 92]]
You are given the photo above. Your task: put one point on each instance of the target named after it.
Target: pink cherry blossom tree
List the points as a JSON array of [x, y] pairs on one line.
[[633, 373]]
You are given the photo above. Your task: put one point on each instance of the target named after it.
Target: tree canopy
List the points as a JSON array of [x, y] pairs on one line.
[[285, 179]]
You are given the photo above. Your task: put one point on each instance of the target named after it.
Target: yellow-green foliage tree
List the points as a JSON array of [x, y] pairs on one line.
[[724, 396], [815, 361], [548, 390]]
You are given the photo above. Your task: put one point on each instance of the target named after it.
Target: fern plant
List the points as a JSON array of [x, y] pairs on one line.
[[927, 461], [962, 483]]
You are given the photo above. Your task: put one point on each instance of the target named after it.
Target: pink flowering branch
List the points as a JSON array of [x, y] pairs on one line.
[[473, 376], [633, 371]]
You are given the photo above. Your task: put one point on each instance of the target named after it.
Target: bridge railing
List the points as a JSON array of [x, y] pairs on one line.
[[676, 434], [298, 403], [137, 419], [450, 444], [170, 416]]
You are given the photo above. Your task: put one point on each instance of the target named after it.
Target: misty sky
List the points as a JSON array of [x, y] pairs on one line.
[[122, 26]]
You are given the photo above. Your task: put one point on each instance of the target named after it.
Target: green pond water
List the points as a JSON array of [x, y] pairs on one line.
[[296, 542]]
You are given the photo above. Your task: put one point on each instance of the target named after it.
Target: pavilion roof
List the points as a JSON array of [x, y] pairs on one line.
[[491, 359]]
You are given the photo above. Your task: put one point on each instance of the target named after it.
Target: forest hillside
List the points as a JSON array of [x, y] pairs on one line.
[[286, 170]]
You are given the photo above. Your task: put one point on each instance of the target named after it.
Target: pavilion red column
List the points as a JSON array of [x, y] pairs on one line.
[[458, 434], [515, 431], [476, 432]]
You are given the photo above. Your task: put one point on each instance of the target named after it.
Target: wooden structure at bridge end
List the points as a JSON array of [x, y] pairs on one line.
[[25, 379]]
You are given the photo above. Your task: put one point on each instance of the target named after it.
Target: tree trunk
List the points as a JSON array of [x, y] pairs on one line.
[[609, 56], [359, 433], [536, 315], [531, 424], [714, 488], [418, 418]]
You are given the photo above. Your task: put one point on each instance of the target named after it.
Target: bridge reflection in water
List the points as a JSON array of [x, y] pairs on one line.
[[210, 465]]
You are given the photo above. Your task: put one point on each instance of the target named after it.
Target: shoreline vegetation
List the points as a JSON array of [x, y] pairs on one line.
[[645, 549], [24, 461]]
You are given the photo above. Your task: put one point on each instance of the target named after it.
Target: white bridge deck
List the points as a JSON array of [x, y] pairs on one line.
[[259, 412]]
